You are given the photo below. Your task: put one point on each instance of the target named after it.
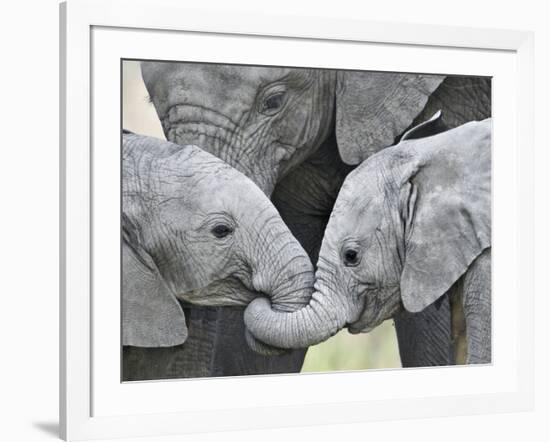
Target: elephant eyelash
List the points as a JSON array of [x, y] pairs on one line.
[[214, 219], [271, 91]]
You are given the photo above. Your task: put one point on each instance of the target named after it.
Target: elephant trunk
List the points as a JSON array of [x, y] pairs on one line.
[[281, 267], [219, 135], [292, 287], [283, 271], [321, 318]]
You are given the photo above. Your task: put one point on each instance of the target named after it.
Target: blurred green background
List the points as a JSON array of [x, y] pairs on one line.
[[344, 351]]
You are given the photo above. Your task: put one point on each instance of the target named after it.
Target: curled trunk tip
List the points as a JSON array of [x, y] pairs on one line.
[[314, 323]]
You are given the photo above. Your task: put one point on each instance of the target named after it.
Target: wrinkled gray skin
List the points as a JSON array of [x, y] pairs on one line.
[[196, 230], [410, 224], [297, 133]]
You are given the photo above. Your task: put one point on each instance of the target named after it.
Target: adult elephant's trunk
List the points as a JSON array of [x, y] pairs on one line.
[[323, 317]]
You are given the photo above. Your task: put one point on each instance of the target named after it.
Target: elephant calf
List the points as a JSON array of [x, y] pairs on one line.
[[411, 223], [197, 230]]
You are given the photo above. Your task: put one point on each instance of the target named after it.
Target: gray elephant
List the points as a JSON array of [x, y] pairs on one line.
[[411, 224], [297, 133], [194, 230]]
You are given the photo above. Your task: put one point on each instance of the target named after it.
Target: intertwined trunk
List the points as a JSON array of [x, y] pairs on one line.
[[281, 268], [324, 315]]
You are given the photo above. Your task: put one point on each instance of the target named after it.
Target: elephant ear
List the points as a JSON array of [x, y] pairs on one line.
[[427, 128], [448, 211], [151, 315], [373, 108]]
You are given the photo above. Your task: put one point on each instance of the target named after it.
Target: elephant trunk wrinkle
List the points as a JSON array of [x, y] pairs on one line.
[[234, 147], [291, 289], [282, 269], [320, 319], [195, 124], [197, 133], [195, 112]]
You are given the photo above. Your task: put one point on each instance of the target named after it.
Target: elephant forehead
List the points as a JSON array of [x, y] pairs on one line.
[[185, 80], [363, 189], [227, 89], [228, 75], [188, 74], [192, 173], [218, 191], [356, 214]]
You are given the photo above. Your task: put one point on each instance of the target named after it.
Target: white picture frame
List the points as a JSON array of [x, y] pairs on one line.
[[94, 404]]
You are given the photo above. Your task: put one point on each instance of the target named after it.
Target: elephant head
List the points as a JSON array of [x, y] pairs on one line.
[[195, 229], [407, 224], [265, 121]]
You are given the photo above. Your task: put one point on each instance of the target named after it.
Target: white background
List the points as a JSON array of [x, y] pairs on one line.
[[29, 80], [110, 397]]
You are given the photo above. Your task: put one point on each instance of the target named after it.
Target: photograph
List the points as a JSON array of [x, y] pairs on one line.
[[285, 220]]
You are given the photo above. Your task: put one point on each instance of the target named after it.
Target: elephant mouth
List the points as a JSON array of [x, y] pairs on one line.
[[225, 292], [359, 327], [380, 304]]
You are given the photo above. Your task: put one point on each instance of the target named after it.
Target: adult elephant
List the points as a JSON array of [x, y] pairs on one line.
[[297, 133]]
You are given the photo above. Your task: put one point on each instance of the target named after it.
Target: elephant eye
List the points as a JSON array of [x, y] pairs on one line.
[[273, 103], [221, 230], [351, 257]]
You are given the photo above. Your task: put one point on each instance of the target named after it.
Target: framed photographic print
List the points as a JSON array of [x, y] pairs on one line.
[[292, 216]]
